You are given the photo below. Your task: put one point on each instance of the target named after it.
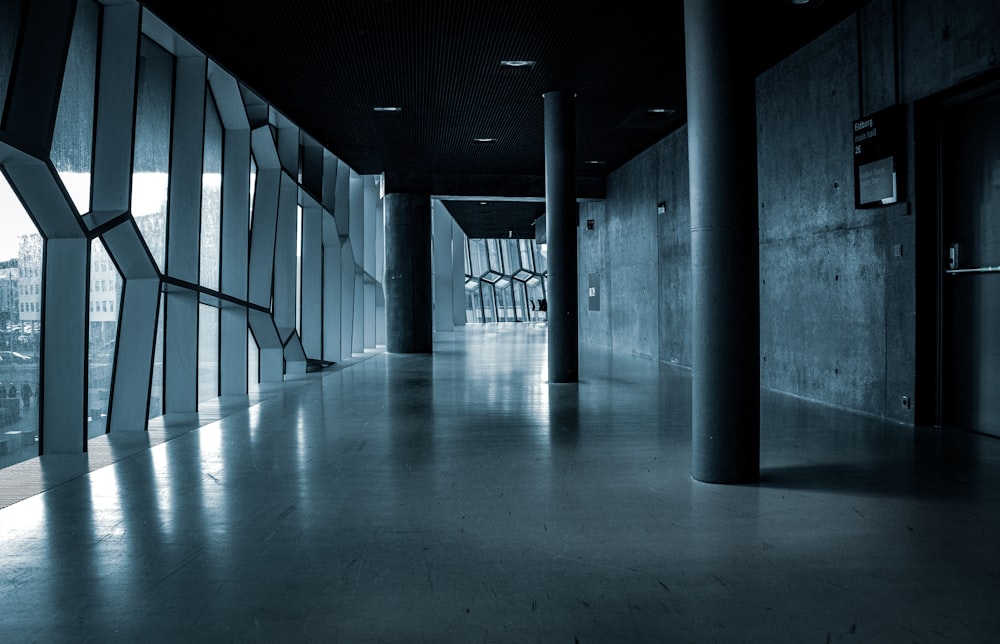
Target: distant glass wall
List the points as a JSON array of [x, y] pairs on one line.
[[505, 281]]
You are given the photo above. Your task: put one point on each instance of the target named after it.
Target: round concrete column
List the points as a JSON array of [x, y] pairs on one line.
[[725, 326], [560, 233], [408, 305]]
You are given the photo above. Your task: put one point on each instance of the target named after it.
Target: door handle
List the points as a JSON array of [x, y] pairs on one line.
[[978, 269]]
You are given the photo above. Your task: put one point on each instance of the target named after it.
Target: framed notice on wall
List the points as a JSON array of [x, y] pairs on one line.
[[879, 159], [594, 291]]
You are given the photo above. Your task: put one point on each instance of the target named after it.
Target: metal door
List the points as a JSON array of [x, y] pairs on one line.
[[970, 232]]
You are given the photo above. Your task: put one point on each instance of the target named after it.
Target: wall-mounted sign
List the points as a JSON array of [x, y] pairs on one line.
[[878, 157], [594, 291]]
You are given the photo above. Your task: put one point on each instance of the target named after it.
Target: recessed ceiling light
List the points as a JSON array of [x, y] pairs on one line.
[[516, 63], [659, 110], [594, 162], [484, 140], [388, 109]]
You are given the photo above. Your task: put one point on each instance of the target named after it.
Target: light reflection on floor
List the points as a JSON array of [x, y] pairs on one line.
[[457, 497]]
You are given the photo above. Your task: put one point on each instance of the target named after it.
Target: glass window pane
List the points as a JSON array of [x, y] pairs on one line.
[[520, 308], [253, 184], [72, 139], [493, 247], [20, 329], [156, 386], [505, 304], [253, 360], [511, 258], [208, 352], [151, 160], [489, 303], [541, 264], [537, 293], [10, 18], [477, 257], [105, 294], [474, 306], [298, 271], [527, 249], [211, 196]]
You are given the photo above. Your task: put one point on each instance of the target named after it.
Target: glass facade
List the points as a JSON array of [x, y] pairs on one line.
[[505, 281], [20, 329], [125, 369]]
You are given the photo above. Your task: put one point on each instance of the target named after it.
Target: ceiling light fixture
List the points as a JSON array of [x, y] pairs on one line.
[[594, 162], [659, 110], [388, 109], [516, 63], [484, 140]]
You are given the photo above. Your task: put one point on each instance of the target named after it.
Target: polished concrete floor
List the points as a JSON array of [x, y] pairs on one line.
[[458, 497]]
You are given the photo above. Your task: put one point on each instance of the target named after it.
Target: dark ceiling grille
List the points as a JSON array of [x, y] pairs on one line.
[[327, 63]]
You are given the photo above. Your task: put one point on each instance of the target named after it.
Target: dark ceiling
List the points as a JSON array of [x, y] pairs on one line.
[[326, 64]]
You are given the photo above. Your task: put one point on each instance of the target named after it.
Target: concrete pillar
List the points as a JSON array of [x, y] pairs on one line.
[[725, 331], [561, 220], [409, 311]]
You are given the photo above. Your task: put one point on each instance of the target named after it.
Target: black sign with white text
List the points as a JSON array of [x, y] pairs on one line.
[[878, 158]]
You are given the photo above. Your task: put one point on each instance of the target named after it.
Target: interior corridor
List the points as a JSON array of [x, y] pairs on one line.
[[458, 497]]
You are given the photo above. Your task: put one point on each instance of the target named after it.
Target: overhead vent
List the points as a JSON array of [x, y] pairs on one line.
[[649, 118]]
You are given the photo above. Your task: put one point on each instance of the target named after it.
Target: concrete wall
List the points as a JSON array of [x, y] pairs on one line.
[[837, 284]]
